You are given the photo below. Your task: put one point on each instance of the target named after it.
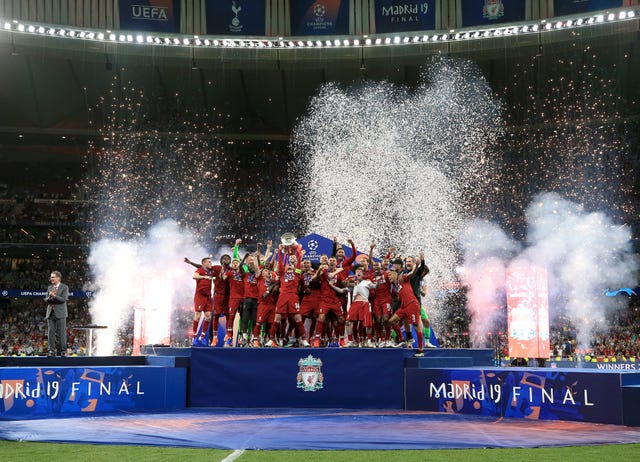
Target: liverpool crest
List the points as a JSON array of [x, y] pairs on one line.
[[493, 9], [310, 376]]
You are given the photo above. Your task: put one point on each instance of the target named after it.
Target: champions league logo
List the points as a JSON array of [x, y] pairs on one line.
[[313, 245], [493, 9], [319, 10], [235, 25], [310, 376], [317, 20]]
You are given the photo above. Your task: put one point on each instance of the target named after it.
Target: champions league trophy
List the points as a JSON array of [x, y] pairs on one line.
[[289, 244]]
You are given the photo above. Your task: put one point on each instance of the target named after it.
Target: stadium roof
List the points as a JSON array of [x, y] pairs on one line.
[[54, 86]]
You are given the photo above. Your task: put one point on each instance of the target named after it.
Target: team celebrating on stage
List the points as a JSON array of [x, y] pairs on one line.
[[349, 301]]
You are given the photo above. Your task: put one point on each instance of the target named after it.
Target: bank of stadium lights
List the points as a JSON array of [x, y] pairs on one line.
[[408, 39]]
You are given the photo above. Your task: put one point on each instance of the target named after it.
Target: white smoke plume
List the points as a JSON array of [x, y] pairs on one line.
[[583, 252], [487, 250], [147, 274]]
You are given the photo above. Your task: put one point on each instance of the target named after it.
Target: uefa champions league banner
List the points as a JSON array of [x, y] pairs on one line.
[[39, 293], [150, 15], [487, 12], [567, 7], [404, 15], [315, 245], [236, 17], [518, 393], [319, 17], [34, 393]]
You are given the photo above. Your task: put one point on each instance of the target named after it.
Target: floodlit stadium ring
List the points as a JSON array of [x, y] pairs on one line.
[[373, 40]]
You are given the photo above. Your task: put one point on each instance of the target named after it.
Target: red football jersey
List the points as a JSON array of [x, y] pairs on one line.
[[236, 284], [203, 286], [250, 285], [405, 291], [220, 286], [383, 291], [263, 286], [326, 291], [289, 281]]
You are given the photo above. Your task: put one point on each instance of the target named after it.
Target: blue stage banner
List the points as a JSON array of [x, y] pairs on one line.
[[150, 15], [405, 15], [316, 245], [487, 12], [38, 293], [236, 17], [568, 7], [296, 377], [34, 393], [320, 17], [518, 393]]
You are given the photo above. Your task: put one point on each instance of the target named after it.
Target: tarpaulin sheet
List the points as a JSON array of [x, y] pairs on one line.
[[314, 429]]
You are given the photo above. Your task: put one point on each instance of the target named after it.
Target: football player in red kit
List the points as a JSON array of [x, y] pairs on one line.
[[250, 272], [289, 275], [202, 302], [220, 295], [329, 300], [267, 297], [220, 292], [236, 294], [382, 302], [360, 311], [310, 295], [409, 307]]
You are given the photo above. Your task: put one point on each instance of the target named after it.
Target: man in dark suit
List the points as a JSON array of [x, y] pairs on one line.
[[56, 299]]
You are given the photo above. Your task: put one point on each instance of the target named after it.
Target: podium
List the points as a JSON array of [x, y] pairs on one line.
[[89, 328]]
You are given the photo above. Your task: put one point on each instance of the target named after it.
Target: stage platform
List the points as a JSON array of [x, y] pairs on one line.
[[446, 381]]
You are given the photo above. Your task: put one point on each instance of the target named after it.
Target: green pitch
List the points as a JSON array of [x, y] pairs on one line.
[[23, 451]]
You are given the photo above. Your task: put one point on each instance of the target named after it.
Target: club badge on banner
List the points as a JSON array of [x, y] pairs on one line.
[[486, 12], [404, 15], [236, 17], [320, 17], [567, 7], [150, 15]]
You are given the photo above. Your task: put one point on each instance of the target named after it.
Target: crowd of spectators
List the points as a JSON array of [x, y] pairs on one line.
[[622, 338], [23, 329], [30, 273], [619, 338]]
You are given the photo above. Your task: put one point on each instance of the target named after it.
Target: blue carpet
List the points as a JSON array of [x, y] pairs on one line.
[[314, 429]]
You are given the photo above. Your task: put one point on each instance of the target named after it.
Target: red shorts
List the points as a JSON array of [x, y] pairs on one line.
[[288, 306], [360, 311], [327, 307], [202, 303], [221, 304], [234, 304], [266, 313], [410, 312], [381, 308], [344, 301], [309, 306]]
